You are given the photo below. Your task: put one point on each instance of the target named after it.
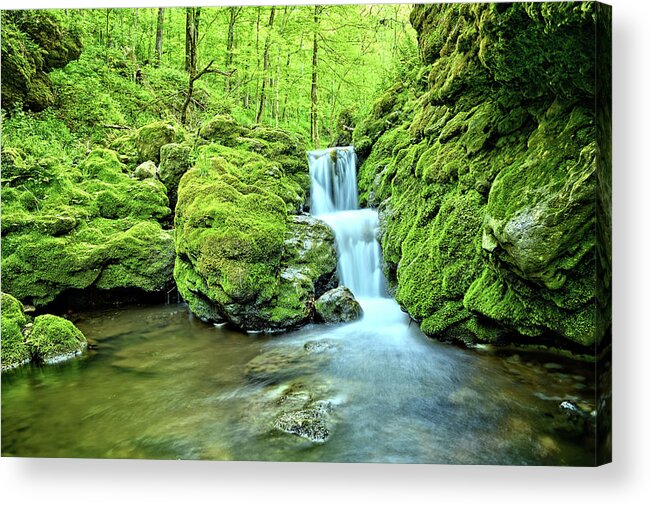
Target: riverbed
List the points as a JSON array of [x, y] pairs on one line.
[[159, 384]]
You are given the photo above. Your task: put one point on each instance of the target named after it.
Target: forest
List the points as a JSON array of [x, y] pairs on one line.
[[295, 217], [298, 67]]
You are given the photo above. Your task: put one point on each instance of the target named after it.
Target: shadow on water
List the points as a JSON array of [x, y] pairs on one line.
[[160, 384]]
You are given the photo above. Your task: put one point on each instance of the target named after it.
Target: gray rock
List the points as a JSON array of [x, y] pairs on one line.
[[310, 423], [319, 346], [145, 170], [570, 420], [338, 305]]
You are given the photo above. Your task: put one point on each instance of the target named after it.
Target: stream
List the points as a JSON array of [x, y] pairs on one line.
[[159, 384]]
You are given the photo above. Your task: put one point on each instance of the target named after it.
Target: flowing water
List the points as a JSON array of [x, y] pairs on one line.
[[158, 383], [333, 199]]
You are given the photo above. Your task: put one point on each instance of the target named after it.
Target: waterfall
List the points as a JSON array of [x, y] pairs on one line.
[[333, 194]]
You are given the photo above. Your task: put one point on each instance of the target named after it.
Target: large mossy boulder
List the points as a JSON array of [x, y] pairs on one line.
[[175, 160], [338, 306], [14, 349], [243, 255], [144, 144], [34, 42], [484, 166], [151, 138], [74, 227], [53, 339], [285, 148]]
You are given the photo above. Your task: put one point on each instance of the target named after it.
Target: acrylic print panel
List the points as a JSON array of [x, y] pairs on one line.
[[351, 233]]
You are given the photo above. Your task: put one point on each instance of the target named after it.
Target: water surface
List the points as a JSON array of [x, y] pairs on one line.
[[162, 385]]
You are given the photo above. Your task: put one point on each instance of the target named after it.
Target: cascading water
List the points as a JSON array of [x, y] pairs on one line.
[[333, 196]]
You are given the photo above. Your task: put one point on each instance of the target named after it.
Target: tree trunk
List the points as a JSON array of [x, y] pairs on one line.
[[265, 69], [159, 36], [277, 102], [314, 113], [135, 34], [191, 38], [230, 43], [108, 13], [257, 56]]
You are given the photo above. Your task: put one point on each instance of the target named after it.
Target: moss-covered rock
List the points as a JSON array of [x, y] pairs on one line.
[[150, 138], [14, 349], [33, 43], [485, 176], [146, 170], [53, 339], [285, 148], [221, 129], [175, 160], [73, 227], [337, 306], [243, 256]]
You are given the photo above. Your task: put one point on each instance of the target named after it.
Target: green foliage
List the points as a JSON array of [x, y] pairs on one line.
[[116, 81]]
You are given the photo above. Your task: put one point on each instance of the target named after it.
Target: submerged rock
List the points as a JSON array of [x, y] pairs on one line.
[[309, 423], [280, 364], [276, 365], [571, 420], [338, 305], [320, 346]]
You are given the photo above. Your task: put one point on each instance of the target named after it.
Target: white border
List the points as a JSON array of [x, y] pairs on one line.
[[627, 481]]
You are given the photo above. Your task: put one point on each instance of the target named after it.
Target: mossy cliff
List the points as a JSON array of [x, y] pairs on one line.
[[74, 226], [33, 43], [483, 165], [244, 255]]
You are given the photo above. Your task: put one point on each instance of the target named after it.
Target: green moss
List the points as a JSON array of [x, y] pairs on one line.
[[33, 43], [486, 186], [54, 338], [13, 309], [221, 129], [175, 160], [14, 349], [149, 140], [240, 256], [75, 227]]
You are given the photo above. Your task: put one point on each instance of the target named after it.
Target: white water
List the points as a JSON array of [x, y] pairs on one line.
[[333, 194]]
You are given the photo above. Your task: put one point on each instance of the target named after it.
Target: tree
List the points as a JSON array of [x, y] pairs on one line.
[[159, 35], [194, 77], [233, 13], [314, 109], [191, 38], [265, 68]]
